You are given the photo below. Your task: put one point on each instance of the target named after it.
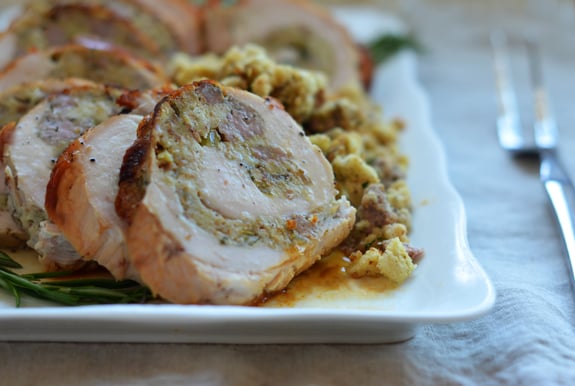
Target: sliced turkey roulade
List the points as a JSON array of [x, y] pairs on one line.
[[293, 32], [84, 182], [82, 189], [225, 197], [73, 23], [174, 25], [30, 149], [183, 18], [14, 103], [18, 100], [107, 66]]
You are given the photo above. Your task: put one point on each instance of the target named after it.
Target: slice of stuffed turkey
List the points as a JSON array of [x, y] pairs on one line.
[[14, 103], [225, 198], [174, 25], [294, 32], [82, 189], [84, 182], [101, 65], [30, 149], [37, 28], [18, 100]]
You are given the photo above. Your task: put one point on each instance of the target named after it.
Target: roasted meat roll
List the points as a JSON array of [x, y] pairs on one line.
[[107, 66], [73, 23], [174, 25], [225, 197], [14, 103], [81, 193], [292, 31], [30, 149], [182, 18], [18, 100]]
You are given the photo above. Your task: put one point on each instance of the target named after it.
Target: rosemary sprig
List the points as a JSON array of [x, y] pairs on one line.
[[73, 292], [388, 45], [7, 262]]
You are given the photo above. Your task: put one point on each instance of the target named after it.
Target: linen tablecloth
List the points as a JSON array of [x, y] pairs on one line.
[[529, 336]]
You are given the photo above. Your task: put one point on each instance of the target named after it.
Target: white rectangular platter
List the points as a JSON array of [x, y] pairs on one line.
[[448, 285]]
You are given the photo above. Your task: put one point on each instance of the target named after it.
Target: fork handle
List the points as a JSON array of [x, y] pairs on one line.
[[561, 194]]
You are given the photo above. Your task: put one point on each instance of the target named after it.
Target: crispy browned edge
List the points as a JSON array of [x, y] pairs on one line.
[[130, 100], [60, 182], [133, 178], [134, 173], [6, 137]]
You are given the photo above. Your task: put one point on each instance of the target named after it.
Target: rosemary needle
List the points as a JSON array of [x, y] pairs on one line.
[[7, 262], [71, 292]]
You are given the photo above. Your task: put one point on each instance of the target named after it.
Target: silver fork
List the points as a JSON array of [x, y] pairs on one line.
[[553, 176]]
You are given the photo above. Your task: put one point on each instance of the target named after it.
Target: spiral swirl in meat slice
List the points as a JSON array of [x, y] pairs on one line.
[[225, 197], [30, 149], [107, 66], [73, 23]]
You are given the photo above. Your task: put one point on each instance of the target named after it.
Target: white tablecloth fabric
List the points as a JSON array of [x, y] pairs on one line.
[[529, 336]]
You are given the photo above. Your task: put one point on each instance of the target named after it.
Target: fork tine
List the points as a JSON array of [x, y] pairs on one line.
[[545, 126], [508, 123]]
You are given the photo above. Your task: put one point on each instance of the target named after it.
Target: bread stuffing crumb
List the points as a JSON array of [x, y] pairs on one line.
[[251, 69], [394, 262]]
